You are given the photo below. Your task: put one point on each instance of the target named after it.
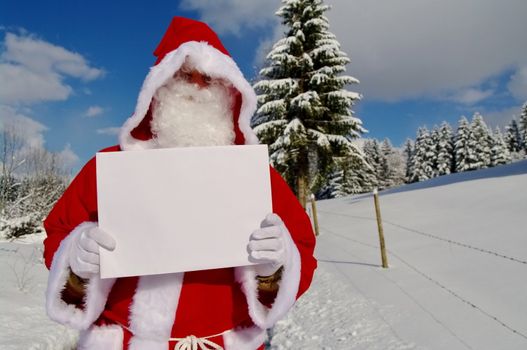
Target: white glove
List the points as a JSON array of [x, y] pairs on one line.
[[84, 252], [267, 246]]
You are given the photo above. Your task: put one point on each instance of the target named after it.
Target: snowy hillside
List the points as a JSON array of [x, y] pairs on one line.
[[457, 250]]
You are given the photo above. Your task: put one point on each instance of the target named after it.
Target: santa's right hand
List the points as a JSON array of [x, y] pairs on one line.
[[84, 252]]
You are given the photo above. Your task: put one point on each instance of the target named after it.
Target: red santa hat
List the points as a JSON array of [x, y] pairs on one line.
[[194, 43]]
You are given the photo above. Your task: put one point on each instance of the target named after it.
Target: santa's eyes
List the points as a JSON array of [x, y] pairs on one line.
[[195, 77]]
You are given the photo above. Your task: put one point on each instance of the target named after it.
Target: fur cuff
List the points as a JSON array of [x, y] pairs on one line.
[[261, 315], [103, 337], [97, 289], [244, 338]]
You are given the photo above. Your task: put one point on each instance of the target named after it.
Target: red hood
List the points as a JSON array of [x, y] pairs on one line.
[[194, 42]]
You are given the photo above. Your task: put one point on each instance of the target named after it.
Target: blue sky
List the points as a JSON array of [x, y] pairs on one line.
[[71, 70]]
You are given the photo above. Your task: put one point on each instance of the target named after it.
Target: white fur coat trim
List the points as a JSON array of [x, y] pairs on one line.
[[103, 337], [244, 338], [97, 289], [206, 59], [153, 310], [261, 315]]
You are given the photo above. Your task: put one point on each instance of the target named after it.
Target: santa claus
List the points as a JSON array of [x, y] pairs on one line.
[[195, 95]]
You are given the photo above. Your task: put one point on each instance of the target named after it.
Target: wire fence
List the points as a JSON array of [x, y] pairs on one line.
[[429, 235], [430, 278]]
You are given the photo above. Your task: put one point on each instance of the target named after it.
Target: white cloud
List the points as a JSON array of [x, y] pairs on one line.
[[36, 70], [518, 84], [94, 111], [27, 86], [501, 118], [266, 45], [109, 131], [231, 16], [29, 135], [27, 129], [408, 49], [470, 96], [68, 158], [413, 48]]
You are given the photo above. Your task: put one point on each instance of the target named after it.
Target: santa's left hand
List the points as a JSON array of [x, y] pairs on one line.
[[267, 245]]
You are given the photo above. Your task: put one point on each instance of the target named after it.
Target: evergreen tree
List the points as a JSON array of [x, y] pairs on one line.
[[408, 154], [499, 153], [349, 178], [463, 154], [445, 150], [387, 173], [523, 126], [304, 111], [372, 153], [392, 167], [480, 141], [513, 137], [434, 136], [422, 160]]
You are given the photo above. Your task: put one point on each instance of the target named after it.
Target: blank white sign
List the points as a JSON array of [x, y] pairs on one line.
[[181, 209]]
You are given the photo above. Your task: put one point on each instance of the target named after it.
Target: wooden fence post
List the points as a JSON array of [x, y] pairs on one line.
[[315, 216], [379, 226]]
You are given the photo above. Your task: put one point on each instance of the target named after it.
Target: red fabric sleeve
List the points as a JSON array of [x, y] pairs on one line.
[[295, 218], [77, 205]]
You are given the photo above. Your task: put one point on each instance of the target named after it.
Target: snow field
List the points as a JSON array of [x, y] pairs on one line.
[[25, 324], [456, 250]]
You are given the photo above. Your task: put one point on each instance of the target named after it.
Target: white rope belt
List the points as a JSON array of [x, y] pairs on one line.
[[194, 343], [190, 342]]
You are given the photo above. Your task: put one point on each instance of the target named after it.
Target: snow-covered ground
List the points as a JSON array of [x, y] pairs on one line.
[[23, 320], [457, 250]]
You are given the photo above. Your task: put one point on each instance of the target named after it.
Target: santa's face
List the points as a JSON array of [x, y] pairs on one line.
[[193, 110]]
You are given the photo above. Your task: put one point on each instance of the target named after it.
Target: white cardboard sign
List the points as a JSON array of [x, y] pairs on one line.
[[181, 209]]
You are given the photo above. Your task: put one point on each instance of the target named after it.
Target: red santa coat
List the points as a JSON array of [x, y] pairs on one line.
[[145, 312]]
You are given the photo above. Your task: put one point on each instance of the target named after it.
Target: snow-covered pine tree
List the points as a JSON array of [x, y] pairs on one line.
[[372, 153], [499, 153], [481, 142], [445, 150], [349, 178], [408, 154], [434, 136], [387, 174], [464, 156], [422, 160], [523, 126], [395, 165], [304, 111], [513, 137]]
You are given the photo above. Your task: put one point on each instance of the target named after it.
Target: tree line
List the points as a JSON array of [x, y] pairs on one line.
[[440, 151]]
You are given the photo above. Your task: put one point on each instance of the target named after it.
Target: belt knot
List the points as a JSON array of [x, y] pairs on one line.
[[192, 342]]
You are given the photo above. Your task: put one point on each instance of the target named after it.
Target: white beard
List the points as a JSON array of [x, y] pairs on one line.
[[185, 115]]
